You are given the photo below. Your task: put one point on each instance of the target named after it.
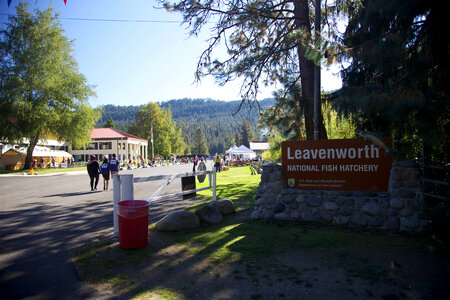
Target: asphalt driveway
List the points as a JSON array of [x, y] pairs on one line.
[[44, 218]]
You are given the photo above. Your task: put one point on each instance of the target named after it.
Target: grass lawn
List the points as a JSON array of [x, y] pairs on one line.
[[237, 184], [248, 250]]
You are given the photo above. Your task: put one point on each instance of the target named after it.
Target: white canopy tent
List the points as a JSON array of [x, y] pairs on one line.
[[230, 151], [243, 151]]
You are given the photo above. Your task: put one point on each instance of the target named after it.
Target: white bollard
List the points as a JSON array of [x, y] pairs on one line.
[[116, 198], [127, 187], [123, 189]]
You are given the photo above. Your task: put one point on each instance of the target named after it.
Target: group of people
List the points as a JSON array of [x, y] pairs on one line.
[[69, 161], [111, 167], [52, 162], [107, 169], [217, 163]]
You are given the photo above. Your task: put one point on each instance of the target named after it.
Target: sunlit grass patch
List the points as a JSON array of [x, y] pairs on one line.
[[159, 293], [249, 243], [236, 184], [250, 240], [215, 242]]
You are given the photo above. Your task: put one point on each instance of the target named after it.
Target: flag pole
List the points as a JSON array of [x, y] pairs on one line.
[[151, 139]]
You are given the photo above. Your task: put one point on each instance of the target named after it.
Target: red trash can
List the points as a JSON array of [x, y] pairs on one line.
[[133, 223]]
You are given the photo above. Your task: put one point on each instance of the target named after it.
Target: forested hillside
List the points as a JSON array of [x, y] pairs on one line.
[[214, 117], [121, 115]]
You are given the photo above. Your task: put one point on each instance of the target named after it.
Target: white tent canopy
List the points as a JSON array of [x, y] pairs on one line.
[[230, 151], [39, 151], [243, 151]]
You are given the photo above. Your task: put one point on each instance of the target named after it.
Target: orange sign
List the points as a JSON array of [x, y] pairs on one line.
[[351, 165]]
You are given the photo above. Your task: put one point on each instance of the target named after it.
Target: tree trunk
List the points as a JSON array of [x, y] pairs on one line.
[[33, 142], [301, 12]]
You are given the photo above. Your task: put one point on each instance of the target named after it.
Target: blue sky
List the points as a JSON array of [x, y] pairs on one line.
[[134, 63]]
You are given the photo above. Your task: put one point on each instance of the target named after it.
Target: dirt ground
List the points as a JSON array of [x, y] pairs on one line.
[[173, 273]]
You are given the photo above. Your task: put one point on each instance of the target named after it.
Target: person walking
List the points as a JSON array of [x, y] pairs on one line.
[[104, 169], [195, 162], [93, 171], [217, 163], [114, 165]]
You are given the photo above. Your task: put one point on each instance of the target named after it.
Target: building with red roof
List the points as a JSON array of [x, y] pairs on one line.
[[108, 141]]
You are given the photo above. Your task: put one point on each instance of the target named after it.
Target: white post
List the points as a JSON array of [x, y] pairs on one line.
[[214, 185], [116, 198], [127, 187]]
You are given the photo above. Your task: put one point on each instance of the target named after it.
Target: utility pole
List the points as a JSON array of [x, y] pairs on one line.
[[317, 74]]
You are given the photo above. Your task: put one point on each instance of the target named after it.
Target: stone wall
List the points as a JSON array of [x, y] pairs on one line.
[[401, 208]]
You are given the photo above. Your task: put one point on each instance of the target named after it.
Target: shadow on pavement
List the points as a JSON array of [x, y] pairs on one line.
[[37, 243], [72, 194]]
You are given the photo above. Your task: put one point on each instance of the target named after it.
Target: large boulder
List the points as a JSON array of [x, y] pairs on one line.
[[279, 207], [225, 206], [209, 214], [178, 220], [371, 209]]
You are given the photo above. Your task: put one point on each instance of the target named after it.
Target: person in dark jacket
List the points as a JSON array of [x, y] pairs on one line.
[[114, 165], [105, 170], [93, 170], [195, 163]]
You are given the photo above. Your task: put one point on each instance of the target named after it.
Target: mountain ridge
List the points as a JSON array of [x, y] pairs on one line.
[[215, 117]]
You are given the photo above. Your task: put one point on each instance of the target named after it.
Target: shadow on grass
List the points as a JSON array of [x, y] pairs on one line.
[[178, 262], [242, 195], [186, 256]]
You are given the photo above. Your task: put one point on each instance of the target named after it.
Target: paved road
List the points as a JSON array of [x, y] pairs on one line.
[[44, 218]]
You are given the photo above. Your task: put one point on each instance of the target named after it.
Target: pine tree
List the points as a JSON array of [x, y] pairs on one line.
[[237, 138], [109, 123], [397, 83], [247, 134], [199, 144], [287, 115], [230, 142], [266, 42]]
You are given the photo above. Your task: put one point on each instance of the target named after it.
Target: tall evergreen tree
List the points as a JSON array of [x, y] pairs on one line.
[[110, 123], [237, 138], [247, 134], [199, 145], [266, 42], [42, 92], [287, 115], [229, 142], [397, 82]]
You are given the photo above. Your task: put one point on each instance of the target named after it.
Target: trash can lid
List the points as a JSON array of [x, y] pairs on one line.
[[134, 203]]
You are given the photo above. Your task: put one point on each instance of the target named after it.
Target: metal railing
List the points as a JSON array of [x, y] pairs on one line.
[[123, 188], [436, 188]]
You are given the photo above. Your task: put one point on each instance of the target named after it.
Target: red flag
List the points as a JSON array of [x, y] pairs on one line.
[[65, 1]]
